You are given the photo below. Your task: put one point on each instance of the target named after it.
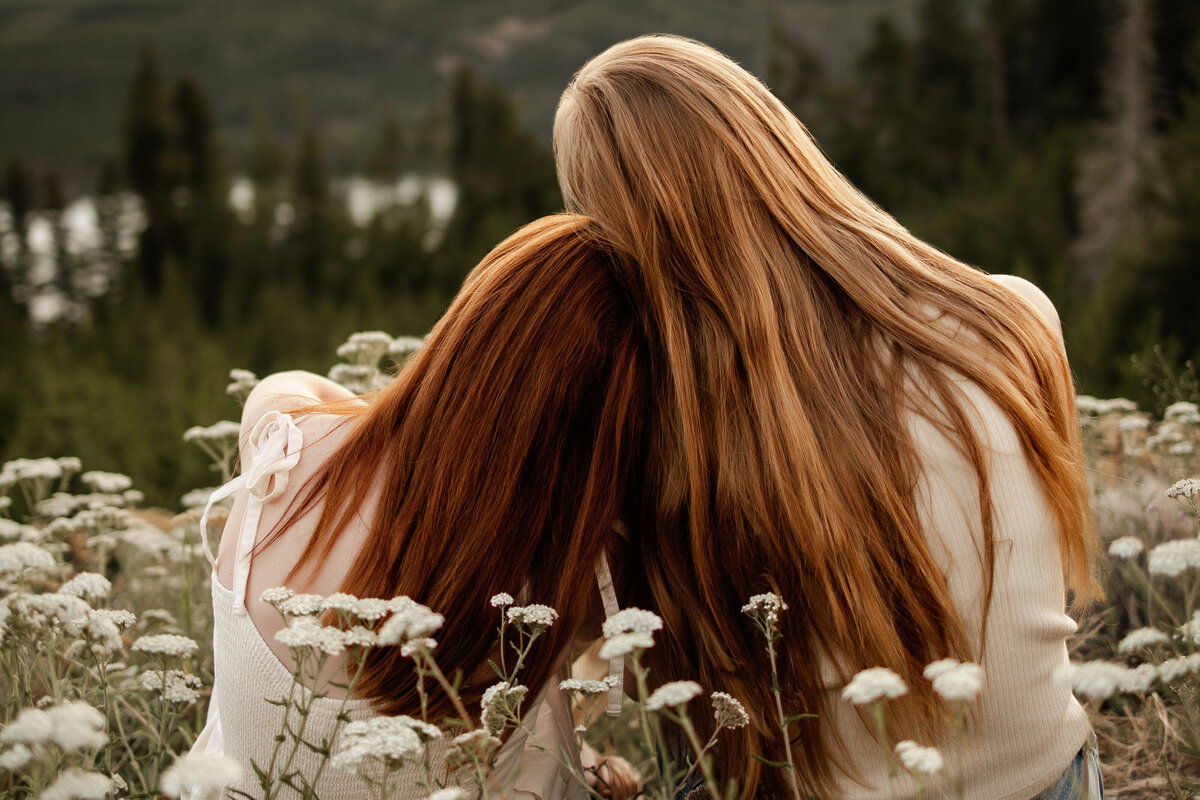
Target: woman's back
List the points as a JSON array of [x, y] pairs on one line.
[[1025, 726], [253, 669]]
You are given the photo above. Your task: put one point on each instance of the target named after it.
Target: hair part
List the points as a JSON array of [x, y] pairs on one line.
[[785, 312]]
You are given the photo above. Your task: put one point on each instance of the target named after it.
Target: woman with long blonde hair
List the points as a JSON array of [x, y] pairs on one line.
[[496, 462], [843, 414]]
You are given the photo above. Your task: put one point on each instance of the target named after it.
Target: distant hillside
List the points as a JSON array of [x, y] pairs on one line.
[[65, 65]]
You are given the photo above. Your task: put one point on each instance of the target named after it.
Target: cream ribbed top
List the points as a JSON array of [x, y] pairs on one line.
[[1028, 727]]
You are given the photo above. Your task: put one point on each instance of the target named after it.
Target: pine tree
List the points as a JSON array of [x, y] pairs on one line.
[[148, 164], [387, 160], [19, 193], [204, 183]]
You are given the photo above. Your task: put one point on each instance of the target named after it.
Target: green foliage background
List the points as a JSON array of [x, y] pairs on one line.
[[1055, 139]]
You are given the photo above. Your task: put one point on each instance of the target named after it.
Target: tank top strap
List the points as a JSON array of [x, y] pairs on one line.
[[272, 449], [616, 666]]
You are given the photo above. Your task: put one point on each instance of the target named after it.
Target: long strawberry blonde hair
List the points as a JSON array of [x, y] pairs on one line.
[[786, 315], [504, 452]]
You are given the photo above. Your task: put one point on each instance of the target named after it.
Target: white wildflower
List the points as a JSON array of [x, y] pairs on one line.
[[206, 774], [1139, 679], [501, 600], [955, 680], [33, 469], [450, 793], [355, 377], [500, 702], [1087, 405], [1181, 449], [728, 712], [1171, 558], [21, 556], [369, 609], [15, 757], [366, 347], [1173, 669], [301, 632], [166, 644], [133, 497], [174, 686], [765, 608], [1192, 629], [31, 726], [919, 760], [1188, 487], [117, 616], [108, 482], [1182, 411], [70, 465], [77, 784], [339, 601], [14, 531], [1095, 679], [476, 738], [675, 693], [102, 630], [1125, 547], [358, 636], [222, 431], [584, 687], [1131, 424], [89, 585], [536, 616], [241, 383], [77, 726], [623, 644], [276, 595], [416, 647], [1142, 637], [410, 620], [405, 344], [876, 683], [301, 605], [368, 744], [632, 620], [197, 498]]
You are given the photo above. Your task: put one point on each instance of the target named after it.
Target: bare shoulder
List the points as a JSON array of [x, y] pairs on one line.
[[1034, 296], [289, 391]]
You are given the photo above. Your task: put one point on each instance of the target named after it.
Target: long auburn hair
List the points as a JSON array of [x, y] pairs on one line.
[[504, 452], [790, 324]]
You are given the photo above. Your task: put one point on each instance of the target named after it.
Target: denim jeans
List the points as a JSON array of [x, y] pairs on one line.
[[1082, 778]]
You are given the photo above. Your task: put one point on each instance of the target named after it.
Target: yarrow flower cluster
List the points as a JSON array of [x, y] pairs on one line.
[[1141, 638], [874, 684], [308, 632], [501, 600], [629, 630], [200, 772], [301, 605], [70, 726], [728, 712], [588, 687], [409, 620], [501, 702], [670, 695], [765, 609], [109, 482], [1188, 487], [166, 644], [174, 686], [223, 431], [1126, 547], [1171, 559], [89, 585], [78, 784], [20, 556], [955, 680], [382, 743], [365, 348], [535, 617], [919, 760]]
